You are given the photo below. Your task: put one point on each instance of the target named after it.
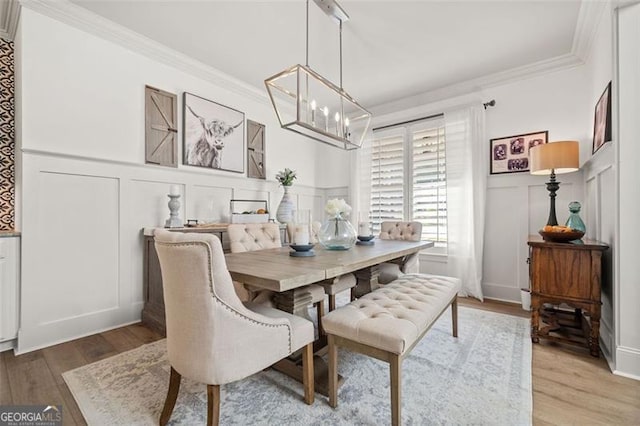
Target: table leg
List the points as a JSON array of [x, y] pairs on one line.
[[367, 280], [535, 317], [594, 336], [294, 301]]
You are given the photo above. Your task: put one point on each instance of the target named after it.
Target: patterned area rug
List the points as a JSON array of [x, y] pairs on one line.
[[482, 377]]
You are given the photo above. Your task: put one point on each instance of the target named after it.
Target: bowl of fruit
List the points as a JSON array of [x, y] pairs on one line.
[[560, 233]]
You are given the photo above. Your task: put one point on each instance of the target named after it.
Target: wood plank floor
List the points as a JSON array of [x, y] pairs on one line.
[[569, 386]]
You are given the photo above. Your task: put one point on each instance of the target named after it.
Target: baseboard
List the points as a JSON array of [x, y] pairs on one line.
[[7, 345], [627, 362], [501, 292]]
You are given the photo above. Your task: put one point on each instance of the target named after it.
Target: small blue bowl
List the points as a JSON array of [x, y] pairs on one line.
[[301, 247]]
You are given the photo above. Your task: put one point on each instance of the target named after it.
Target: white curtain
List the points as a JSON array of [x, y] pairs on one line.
[[466, 168], [360, 179]]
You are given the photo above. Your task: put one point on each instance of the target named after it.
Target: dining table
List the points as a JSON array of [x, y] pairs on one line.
[[276, 270]]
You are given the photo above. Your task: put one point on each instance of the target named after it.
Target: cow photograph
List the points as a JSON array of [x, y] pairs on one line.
[[213, 135]]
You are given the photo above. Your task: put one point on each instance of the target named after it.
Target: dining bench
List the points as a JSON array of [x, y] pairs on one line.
[[387, 323]]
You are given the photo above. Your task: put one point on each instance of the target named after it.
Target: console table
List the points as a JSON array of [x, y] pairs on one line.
[[571, 274]]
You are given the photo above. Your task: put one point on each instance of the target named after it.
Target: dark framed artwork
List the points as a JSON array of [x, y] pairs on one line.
[[213, 135], [602, 120], [255, 150], [510, 154]]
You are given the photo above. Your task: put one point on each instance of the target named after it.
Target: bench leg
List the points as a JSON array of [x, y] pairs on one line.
[[333, 372], [395, 368], [454, 316], [307, 374]]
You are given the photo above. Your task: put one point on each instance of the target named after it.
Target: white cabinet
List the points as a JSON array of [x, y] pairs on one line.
[[9, 292]]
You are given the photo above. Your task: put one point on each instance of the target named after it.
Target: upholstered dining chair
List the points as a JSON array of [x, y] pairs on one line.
[[406, 231], [336, 285], [258, 236], [211, 335]]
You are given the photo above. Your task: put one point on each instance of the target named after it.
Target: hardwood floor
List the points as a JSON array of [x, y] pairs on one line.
[[569, 385]]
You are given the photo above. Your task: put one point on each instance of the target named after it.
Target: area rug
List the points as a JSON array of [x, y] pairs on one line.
[[483, 378]]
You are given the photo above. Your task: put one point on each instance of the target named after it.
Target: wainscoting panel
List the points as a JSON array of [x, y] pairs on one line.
[[82, 266], [518, 206], [88, 257], [209, 203], [504, 255], [600, 219]]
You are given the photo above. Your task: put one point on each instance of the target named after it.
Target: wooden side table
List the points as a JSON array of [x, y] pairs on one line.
[[570, 274]]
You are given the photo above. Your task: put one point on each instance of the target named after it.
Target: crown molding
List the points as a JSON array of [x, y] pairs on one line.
[[87, 21], [589, 18], [535, 69], [78, 17], [9, 14]]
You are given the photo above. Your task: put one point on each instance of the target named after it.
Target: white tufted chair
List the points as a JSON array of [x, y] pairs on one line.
[[406, 231], [211, 335], [336, 285], [258, 236]]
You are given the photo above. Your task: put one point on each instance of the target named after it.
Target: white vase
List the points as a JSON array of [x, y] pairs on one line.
[[284, 214]]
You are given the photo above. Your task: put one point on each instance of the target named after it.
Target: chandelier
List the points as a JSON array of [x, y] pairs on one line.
[[311, 105]]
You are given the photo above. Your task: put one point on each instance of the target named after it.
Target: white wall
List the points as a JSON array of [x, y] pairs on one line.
[[628, 281], [600, 177], [518, 204], [86, 192]]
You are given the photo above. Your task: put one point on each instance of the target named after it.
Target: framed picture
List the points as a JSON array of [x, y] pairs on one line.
[[213, 135], [602, 120], [255, 150], [160, 127], [510, 154]]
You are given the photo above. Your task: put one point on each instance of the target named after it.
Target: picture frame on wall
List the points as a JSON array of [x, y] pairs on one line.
[[602, 120], [213, 134], [510, 154], [256, 167]]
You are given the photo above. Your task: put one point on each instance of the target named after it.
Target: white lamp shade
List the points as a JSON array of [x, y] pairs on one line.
[[559, 157]]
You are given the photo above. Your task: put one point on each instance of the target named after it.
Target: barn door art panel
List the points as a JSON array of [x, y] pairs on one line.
[[213, 135], [161, 128], [255, 150]]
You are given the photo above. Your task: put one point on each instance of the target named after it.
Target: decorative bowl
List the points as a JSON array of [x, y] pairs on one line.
[[301, 247], [365, 237], [561, 237], [302, 250]]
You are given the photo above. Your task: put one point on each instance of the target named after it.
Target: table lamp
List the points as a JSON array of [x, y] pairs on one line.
[[551, 159]]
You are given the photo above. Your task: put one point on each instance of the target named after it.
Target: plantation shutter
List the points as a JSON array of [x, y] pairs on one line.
[[387, 178], [429, 204], [408, 177]]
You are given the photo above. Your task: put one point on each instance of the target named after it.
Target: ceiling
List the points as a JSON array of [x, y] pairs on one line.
[[391, 49]]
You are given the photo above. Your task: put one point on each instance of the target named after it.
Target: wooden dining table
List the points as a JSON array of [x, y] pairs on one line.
[[276, 270]]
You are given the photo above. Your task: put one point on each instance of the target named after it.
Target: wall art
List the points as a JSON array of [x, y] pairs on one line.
[[213, 135], [510, 154]]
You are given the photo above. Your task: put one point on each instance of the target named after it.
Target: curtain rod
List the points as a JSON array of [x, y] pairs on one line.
[[409, 121], [491, 103]]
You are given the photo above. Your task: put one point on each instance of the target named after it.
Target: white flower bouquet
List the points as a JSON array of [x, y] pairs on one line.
[[337, 206]]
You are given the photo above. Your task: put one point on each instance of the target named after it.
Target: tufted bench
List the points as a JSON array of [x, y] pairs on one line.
[[387, 323]]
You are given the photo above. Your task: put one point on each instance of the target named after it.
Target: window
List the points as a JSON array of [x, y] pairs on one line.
[[408, 179]]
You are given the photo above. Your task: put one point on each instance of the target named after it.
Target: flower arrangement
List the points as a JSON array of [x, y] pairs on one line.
[[337, 206], [286, 177], [337, 233]]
